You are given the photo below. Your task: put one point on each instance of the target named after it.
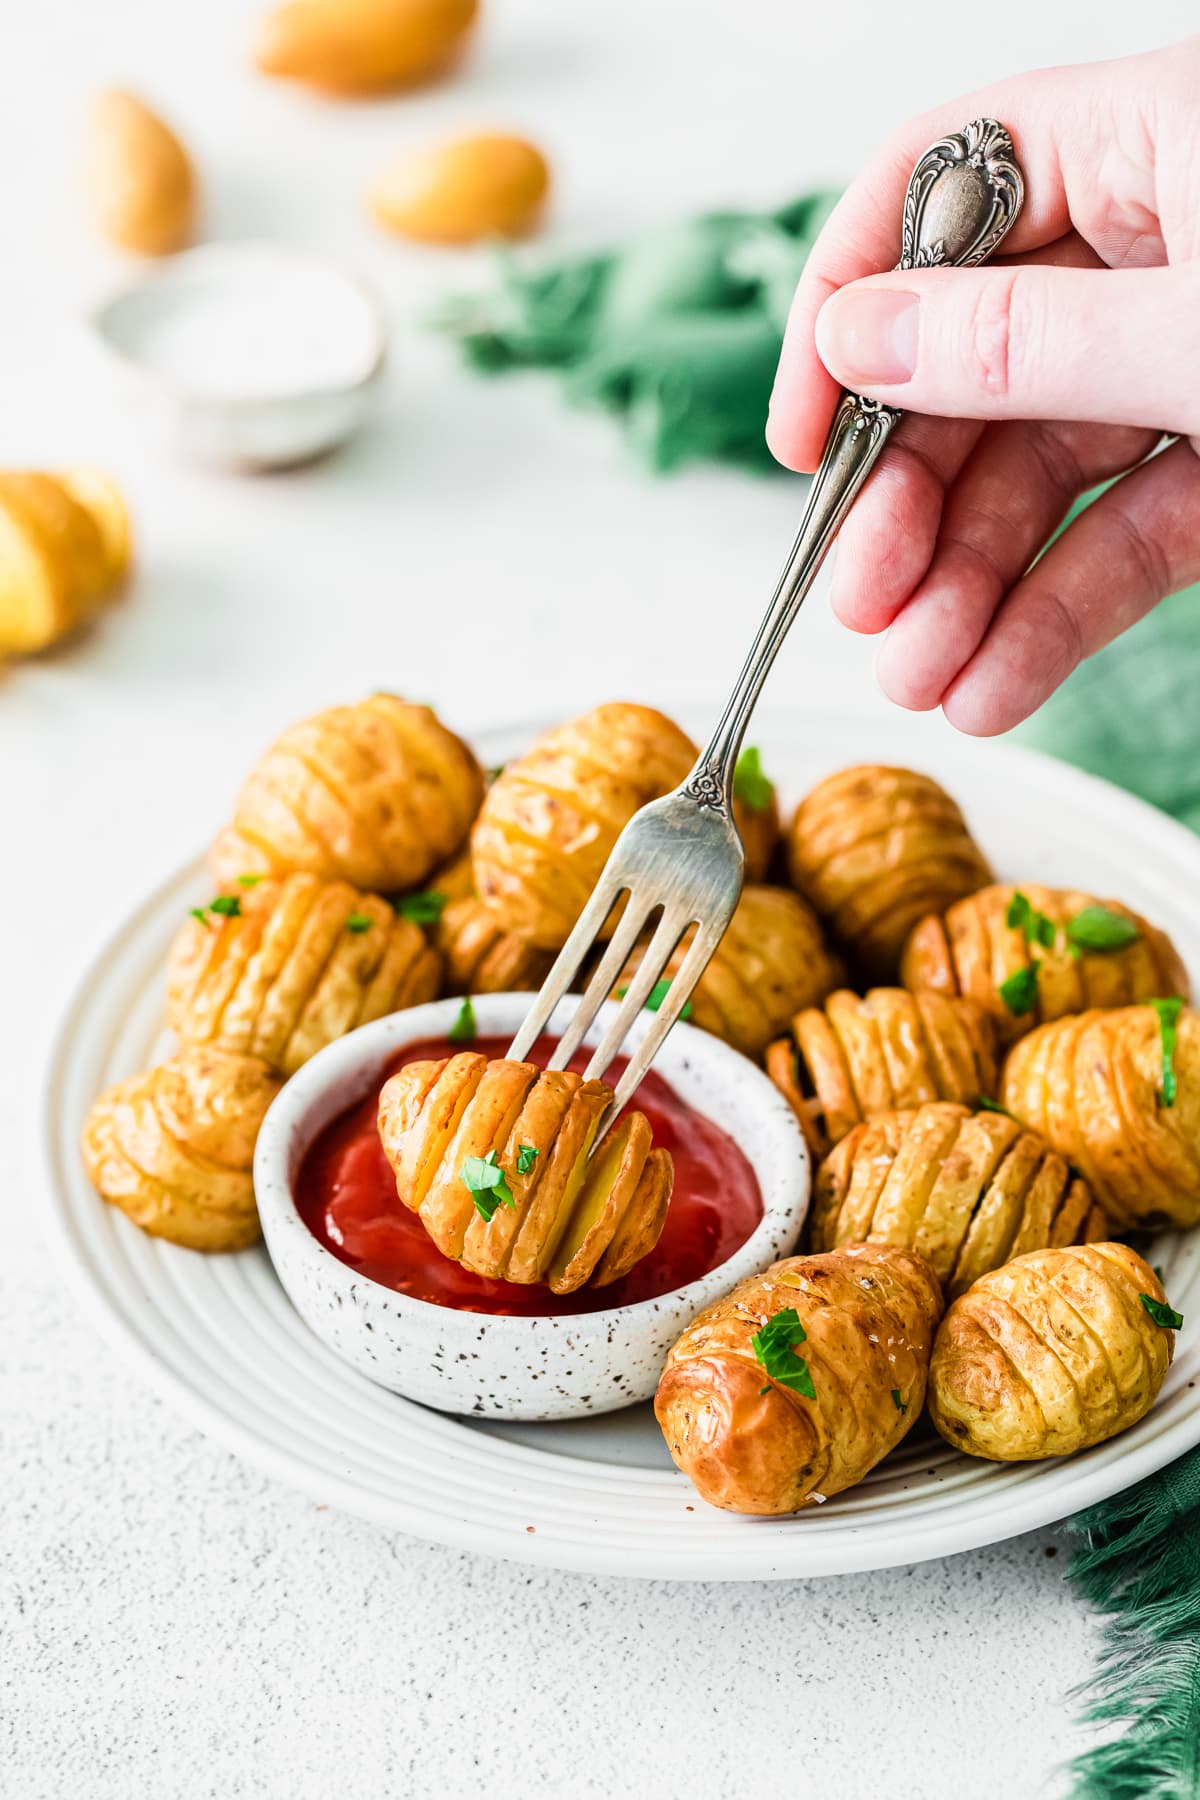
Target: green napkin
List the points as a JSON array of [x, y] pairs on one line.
[[676, 334]]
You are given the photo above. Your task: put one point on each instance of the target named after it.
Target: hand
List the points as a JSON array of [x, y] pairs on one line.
[[1055, 368]]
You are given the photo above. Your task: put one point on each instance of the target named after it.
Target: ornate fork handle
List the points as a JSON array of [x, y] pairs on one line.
[[963, 196]]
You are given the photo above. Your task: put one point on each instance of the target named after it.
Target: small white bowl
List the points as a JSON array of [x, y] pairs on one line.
[[247, 356], [490, 1364]]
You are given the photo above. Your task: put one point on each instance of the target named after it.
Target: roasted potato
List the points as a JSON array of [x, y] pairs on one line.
[[756, 815], [173, 1149], [1093, 1086], [856, 1057], [478, 955], [377, 794], [552, 816], [1050, 1354], [281, 968], [875, 849], [65, 547], [971, 949], [771, 962], [750, 1439], [553, 1215], [967, 1191]]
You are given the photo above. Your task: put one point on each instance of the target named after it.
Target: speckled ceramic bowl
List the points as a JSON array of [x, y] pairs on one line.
[[482, 1363]]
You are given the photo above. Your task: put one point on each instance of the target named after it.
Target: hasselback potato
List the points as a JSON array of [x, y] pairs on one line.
[[478, 955]]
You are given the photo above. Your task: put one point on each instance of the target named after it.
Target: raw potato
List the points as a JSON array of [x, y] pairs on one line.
[[771, 962], [1091, 1085], [362, 46], [295, 970], [969, 949], [457, 193], [968, 1191], [64, 548], [552, 816], [875, 849], [376, 794], [753, 1445], [140, 178], [478, 955], [573, 1221], [173, 1149], [1049, 1355], [890, 1049]]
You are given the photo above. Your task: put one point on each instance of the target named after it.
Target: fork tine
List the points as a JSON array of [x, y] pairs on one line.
[[567, 963], [680, 992], [600, 986], [667, 934]]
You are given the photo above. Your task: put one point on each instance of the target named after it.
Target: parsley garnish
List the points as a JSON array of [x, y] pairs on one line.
[[1019, 993], [1168, 1022], [657, 995], [899, 1404], [226, 906], [750, 785], [773, 1347], [1036, 927], [248, 880], [983, 1104], [463, 1030], [422, 909], [526, 1157], [1161, 1313], [1100, 930], [488, 1185], [359, 922], [198, 912]]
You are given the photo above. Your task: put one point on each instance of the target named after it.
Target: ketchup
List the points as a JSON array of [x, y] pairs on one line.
[[346, 1195]]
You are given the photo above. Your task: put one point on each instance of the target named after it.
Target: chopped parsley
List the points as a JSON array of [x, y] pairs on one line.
[[1161, 1313], [899, 1404], [750, 785], [464, 1030], [1019, 993], [422, 909], [657, 995], [983, 1104], [1101, 931], [248, 880], [358, 922], [774, 1348], [225, 906], [488, 1185], [526, 1157], [1036, 927], [198, 912], [1168, 1024]]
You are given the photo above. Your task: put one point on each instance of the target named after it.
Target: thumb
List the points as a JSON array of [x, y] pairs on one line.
[[1117, 346]]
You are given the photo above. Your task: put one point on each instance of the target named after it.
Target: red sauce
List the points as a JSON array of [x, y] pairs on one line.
[[346, 1195]]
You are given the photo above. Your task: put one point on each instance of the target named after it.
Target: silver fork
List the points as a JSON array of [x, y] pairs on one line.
[[680, 857]]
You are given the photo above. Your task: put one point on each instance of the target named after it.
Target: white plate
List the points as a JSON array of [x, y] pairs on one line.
[[218, 1339]]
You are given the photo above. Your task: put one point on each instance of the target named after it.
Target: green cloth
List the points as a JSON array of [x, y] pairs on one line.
[[676, 334]]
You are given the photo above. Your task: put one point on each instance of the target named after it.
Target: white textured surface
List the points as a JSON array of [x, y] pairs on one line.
[[170, 1624]]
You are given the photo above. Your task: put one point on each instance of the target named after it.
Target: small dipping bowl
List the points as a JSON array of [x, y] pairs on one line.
[[247, 356], [495, 1365]]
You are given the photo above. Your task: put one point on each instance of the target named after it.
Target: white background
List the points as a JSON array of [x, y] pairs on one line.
[[171, 1624]]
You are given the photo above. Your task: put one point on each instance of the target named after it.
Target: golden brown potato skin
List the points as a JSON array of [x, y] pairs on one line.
[[969, 949], [563, 1229], [968, 1191], [64, 548], [1090, 1085], [772, 962], [869, 1313], [295, 970], [552, 816], [760, 831], [875, 849], [173, 1148], [376, 794], [478, 955], [889, 1049], [1050, 1354]]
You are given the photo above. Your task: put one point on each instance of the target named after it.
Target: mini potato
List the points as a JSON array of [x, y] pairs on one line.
[[457, 193], [299, 963], [1094, 1085], [1050, 1354], [746, 1432], [756, 815], [771, 962], [891, 1049], [362, 46], [64, 548], [875, 849], [552, 816], [541, 1212], [141, 182], [968, 1191], [971, 949], [478, 955], [173, 1149], [376, 794]]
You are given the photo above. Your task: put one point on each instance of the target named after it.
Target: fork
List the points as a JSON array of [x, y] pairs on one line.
[[681, 857]]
